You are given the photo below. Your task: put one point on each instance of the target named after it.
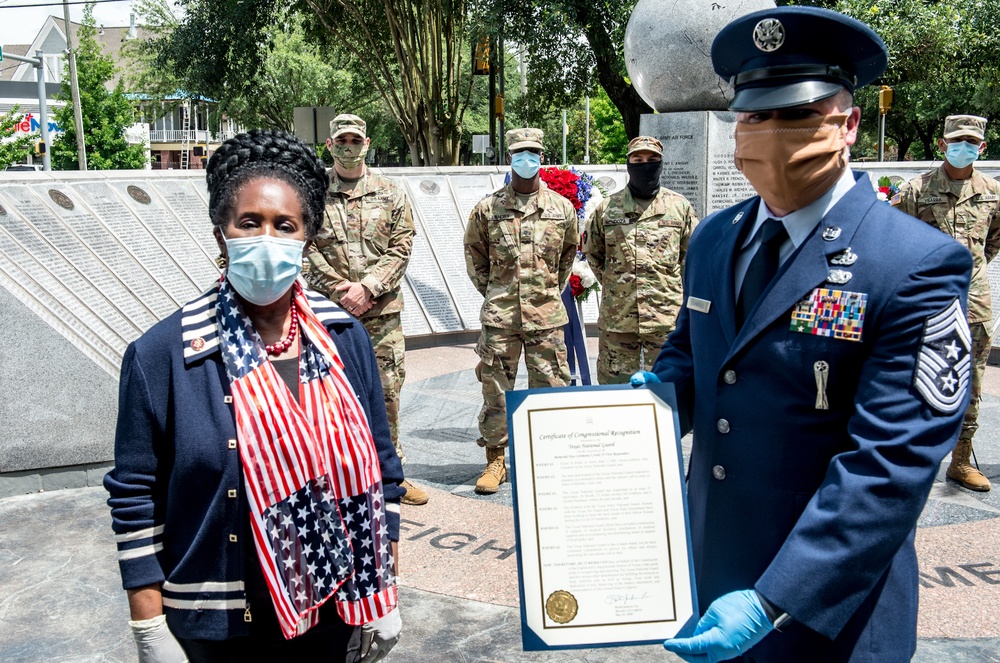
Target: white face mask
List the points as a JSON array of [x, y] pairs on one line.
[[263, 268]]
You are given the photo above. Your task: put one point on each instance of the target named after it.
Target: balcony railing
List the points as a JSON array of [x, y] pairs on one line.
[[193, 136]]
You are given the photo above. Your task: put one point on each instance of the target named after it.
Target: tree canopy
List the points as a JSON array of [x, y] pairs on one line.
[[106, 114]]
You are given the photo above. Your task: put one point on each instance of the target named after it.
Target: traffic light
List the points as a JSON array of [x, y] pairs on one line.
[[481, 58], [498, 107], [40, 147], [884, 99]]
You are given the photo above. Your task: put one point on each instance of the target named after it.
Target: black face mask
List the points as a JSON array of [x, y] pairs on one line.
[[644, 179]]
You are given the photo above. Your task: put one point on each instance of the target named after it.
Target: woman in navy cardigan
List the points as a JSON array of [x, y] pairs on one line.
[[255, 494]]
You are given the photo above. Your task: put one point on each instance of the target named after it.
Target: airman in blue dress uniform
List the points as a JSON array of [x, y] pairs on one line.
[[821, 358]]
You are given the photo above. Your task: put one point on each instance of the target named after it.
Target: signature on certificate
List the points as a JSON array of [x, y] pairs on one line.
[[626, 599]]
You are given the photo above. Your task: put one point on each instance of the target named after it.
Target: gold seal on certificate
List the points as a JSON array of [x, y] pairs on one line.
[[561, 607]]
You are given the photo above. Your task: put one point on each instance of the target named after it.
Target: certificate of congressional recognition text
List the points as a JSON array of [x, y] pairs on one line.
[[602, 537]]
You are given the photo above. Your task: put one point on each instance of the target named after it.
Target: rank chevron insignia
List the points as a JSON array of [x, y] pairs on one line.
[[944, 363]]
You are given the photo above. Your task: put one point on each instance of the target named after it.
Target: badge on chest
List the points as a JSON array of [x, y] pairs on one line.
[[838, 314]]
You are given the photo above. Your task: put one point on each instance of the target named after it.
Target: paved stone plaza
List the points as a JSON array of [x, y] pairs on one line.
[[61, 598]]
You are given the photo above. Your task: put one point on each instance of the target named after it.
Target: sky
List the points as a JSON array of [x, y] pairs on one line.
[[20, 26]]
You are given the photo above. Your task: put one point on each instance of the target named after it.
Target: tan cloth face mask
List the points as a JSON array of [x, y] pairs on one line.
[[791, 163]]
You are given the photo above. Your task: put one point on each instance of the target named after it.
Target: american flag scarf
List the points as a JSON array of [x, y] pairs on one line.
[[312, 473]]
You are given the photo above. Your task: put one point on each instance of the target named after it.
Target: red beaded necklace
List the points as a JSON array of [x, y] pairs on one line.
[[276, 349]]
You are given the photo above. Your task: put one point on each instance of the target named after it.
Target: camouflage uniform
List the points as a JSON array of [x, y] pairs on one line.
[[638, 257], [969, 211], [367, 237], [520, 259]]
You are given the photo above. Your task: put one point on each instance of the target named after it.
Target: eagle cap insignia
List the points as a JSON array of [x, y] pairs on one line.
[[769, 35], [838, 276], [845, 258], [944, 364]]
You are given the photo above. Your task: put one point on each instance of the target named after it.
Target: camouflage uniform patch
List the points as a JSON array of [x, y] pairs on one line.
[[621, 355], [969, 211], [638, 257], [386, 332], [520, 258], [499, 352], [367, 237]]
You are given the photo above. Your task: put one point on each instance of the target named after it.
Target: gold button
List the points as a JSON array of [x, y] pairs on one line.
[[227, 400], [231, 492], [232, 538], [232, 444]]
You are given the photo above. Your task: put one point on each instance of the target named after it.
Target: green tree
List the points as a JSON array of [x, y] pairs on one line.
[[571, 45], [13, 150], [105, 114], [414, 53], [942, 61]]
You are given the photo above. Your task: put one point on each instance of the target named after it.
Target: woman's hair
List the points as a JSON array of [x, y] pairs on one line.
[[269, 153]]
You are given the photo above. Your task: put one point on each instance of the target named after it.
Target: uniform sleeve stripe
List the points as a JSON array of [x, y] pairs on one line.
[[147, 533], [206, 604], [135, 553], [199, 587]]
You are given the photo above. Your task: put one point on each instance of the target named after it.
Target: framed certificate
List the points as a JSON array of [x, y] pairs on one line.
[[603, 550]]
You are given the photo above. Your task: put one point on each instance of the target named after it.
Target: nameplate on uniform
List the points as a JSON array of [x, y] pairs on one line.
[[618, 222], [832, 313], [989, 197], [930, 200], [700, 305]]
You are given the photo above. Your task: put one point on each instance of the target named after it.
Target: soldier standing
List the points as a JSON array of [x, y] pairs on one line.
[[519, 249], [360, 255], [962, 202], [635, 242]]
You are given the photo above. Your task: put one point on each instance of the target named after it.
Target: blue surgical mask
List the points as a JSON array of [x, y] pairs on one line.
[[526, 164], [263, 268], [961, 154]]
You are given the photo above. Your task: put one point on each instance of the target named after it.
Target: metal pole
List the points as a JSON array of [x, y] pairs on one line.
[[501, 124], [881, 137], [586, 144], [74, 86], [43, 113], [564, 137]]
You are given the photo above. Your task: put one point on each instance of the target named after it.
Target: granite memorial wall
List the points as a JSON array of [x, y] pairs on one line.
[[89, 261]]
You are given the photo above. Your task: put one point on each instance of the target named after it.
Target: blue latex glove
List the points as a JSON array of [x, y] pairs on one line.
[[643, 377], [733, 624]]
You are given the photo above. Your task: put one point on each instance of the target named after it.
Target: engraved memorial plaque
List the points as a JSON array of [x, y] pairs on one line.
[[438, 216], [163, 226], [469, 190], [187, 204], [73, 263], [412, 318], [138, 241], [129, 285]]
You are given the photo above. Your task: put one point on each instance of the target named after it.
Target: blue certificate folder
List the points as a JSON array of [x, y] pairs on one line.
[[568, 593]]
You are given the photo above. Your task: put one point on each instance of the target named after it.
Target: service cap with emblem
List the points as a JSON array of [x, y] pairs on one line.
[[965, 126], [345, 123], [644, 143], [527, 138], [789, 56]]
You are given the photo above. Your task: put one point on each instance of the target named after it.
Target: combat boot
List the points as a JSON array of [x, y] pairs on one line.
[[495, 472], [962, 472], [413, 495]]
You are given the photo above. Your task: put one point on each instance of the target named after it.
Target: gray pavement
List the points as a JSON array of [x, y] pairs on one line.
[[60, 595]]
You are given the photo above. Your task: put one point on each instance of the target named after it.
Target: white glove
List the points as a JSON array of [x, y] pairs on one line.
[[155, 642], [379, 636]]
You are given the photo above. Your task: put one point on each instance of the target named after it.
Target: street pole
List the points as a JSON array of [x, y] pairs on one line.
[[43, 112], [564, 137], [38, 62], [586, 144], [81, 145], [501, 124]]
